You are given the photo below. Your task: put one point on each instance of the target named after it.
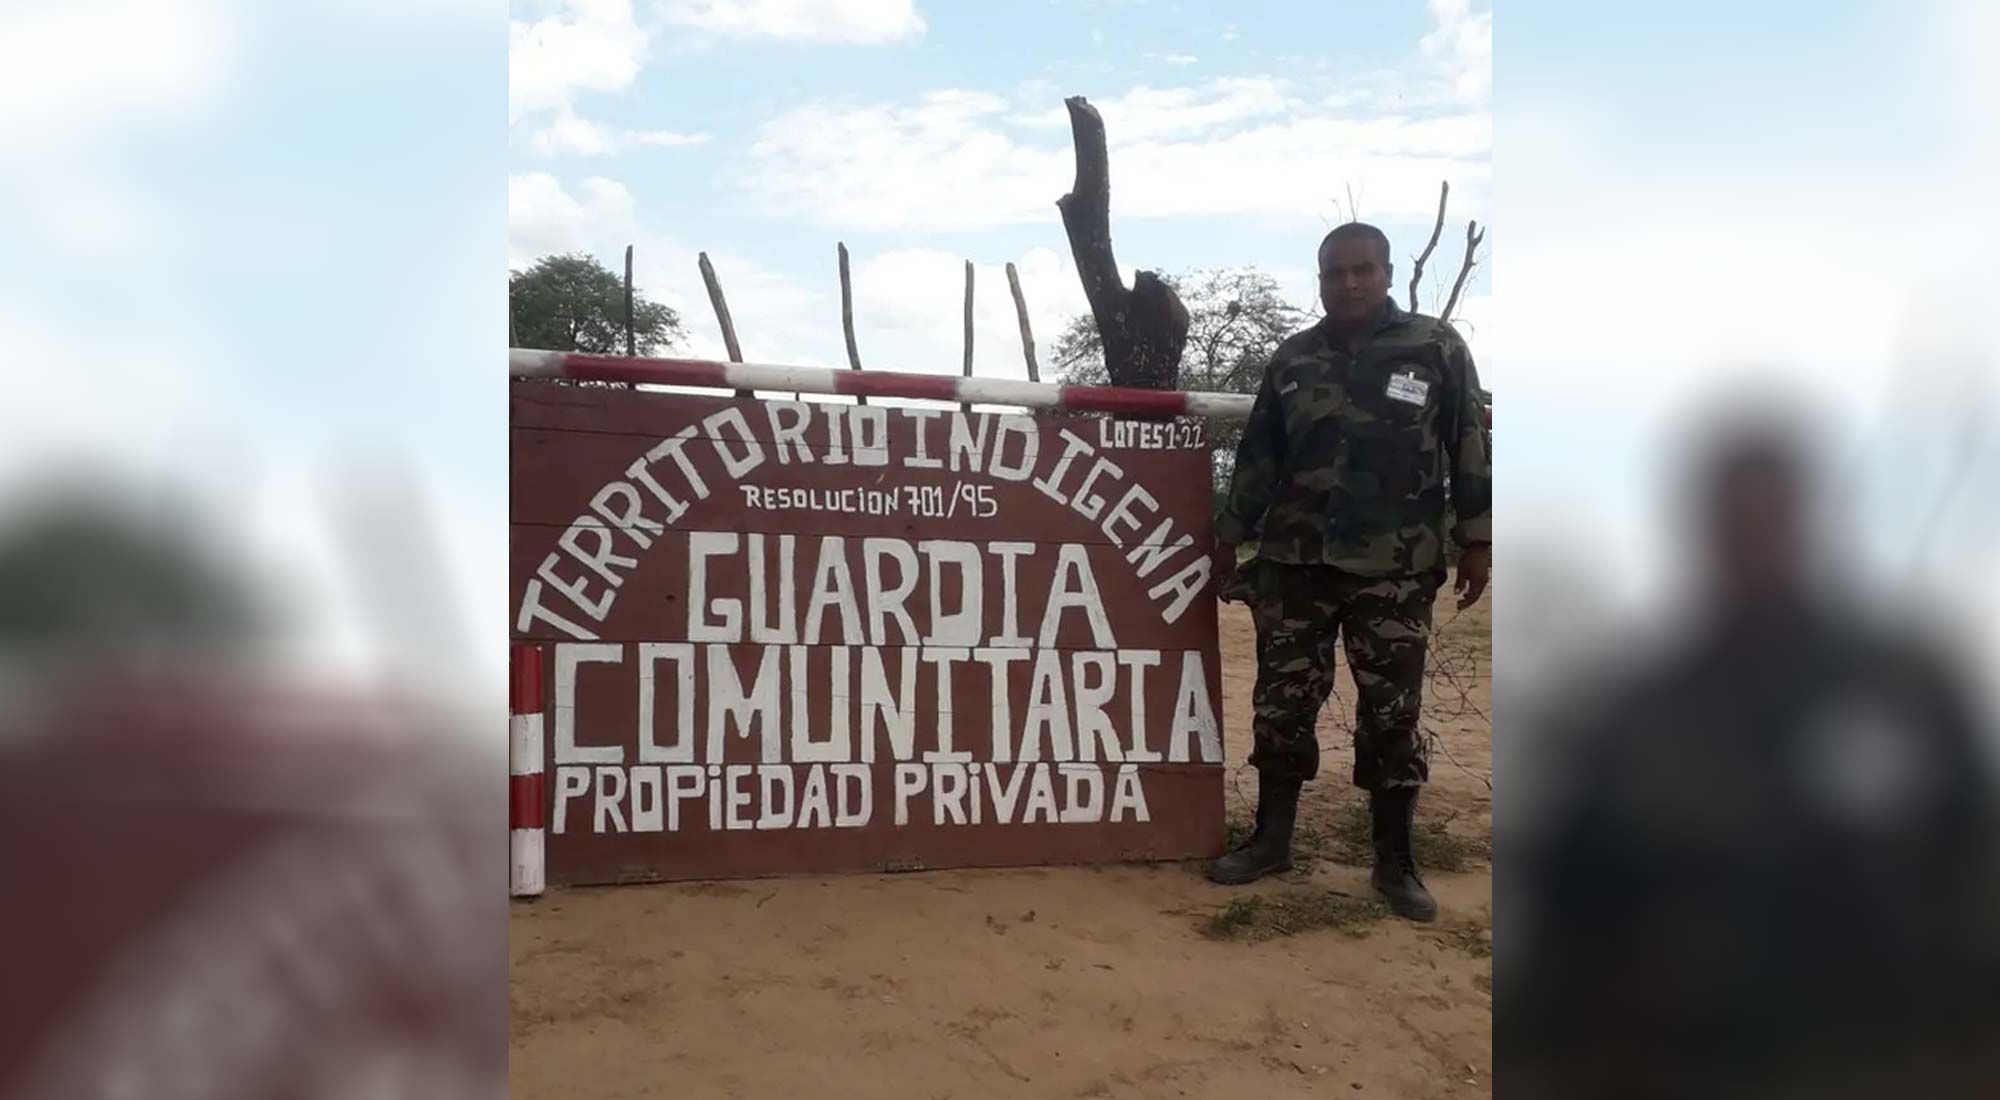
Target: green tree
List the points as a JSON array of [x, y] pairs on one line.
[[84, 566], [571, 302]]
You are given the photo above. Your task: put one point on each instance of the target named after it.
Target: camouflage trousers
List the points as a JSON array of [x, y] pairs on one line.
[[1386, 624]]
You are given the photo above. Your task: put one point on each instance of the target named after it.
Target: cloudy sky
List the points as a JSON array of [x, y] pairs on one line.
[[247, 279], [1715, 204], [925, 134]]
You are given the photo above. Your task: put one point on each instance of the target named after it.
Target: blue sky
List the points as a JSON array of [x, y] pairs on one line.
[[1739, 205], [925, 134], [251, 279]]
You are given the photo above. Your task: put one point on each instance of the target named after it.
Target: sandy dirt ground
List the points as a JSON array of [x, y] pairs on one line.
[[1058, 982]]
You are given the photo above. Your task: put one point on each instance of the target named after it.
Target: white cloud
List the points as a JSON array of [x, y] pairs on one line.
[[863, 22], [1176, 59], [103, 240], [144, 404], [1229, 33], [581, 45], [569, 134], [92, 215], [942, 162], [1805, 314], [1249, 146], [91, 243], [1146, 113], [1950, 71], [543, 217], [659, 139], [1462, 45], [1294, 168], [70, 67], [910, 311]]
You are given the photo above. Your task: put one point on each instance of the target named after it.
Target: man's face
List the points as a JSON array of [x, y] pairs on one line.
[[1757, 542], [1353, 280]]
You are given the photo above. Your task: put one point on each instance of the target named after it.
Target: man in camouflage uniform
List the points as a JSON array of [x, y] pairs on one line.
[[1361, 424]]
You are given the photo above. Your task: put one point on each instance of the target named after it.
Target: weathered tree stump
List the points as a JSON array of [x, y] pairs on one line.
[[1145, 327]]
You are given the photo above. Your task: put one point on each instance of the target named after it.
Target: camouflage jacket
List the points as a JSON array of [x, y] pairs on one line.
[[1345, 460]]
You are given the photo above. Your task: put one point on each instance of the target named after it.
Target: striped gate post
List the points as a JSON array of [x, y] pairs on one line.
[[527, 796]]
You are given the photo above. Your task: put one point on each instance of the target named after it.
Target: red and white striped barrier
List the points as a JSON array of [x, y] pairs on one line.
[[528, 792], [708, 373]]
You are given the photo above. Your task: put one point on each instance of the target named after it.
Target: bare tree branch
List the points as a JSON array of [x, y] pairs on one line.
[[1021, 313], [847, 314], [1473, 236], [1416, 276], [1235, 314], [1086, 211]]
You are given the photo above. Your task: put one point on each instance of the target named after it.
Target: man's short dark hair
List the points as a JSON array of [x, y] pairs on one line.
[[1356, 230]]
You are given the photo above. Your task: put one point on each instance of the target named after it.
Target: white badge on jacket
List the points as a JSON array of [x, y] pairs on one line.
[[1409, 388]]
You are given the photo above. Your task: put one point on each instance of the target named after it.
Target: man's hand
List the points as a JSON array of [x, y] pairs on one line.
[[1231, 585], [1475, 568]]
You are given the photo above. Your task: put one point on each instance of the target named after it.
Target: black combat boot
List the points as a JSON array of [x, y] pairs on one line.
[[1269, 849], [1393, 811]]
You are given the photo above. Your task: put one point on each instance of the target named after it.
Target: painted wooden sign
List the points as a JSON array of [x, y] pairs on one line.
[[224, 886], [780, 636]]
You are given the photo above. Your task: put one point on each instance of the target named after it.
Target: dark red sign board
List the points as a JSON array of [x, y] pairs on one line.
[[782, 636]]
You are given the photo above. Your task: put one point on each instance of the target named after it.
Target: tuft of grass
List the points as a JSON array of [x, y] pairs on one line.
[[1234, 919], [1265, 916], [1310, 844], [1470, 937], [1438, 848]]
